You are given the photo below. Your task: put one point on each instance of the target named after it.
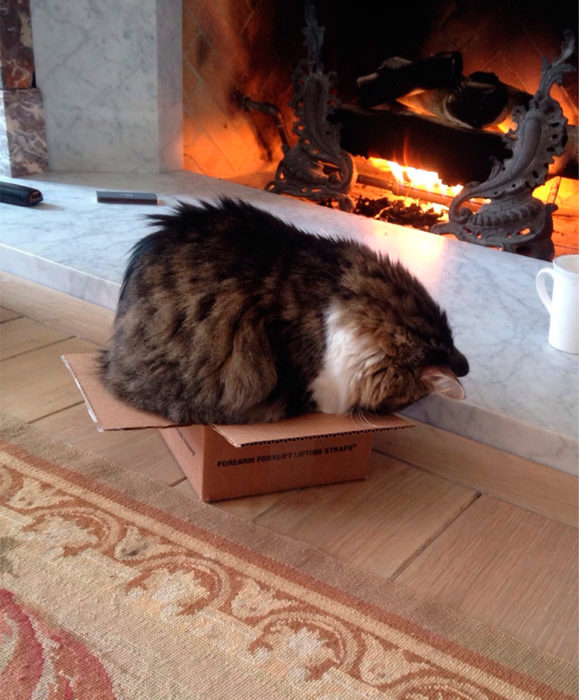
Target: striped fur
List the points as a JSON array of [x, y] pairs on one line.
[[229, 315]]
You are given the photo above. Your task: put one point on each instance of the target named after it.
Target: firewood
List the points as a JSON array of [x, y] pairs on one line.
[[458, 154], [398, 76]]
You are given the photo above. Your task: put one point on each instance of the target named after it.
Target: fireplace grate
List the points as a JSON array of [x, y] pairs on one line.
[[318, 167]]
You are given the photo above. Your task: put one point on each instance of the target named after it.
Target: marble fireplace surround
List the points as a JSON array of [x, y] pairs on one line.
[[110, 73], [521, 393]]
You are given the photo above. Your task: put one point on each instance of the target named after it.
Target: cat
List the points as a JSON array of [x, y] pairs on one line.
[[227, 314]]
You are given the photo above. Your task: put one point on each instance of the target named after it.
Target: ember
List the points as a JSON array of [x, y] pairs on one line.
[[396, 212]]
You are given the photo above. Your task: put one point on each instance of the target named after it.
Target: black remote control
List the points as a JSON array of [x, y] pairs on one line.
[[112, 197], [11, 193]]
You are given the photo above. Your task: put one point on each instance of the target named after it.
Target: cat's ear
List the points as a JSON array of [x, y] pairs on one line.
[[443, 381]]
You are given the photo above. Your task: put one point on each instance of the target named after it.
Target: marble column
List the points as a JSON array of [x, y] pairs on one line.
[[110, 75], [22, 133]]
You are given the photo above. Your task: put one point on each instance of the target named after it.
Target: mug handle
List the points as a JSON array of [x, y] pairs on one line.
[[541, 286]]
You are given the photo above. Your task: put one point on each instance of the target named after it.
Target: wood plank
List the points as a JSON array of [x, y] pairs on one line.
[[142, 451], [377, 524], [37, 383], [508, 567], [23, 334], [68, 314], [7, 314], [511, 478], [245, 508]]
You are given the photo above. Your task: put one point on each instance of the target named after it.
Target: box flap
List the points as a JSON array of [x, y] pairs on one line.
[[109, 413], [311, 425]]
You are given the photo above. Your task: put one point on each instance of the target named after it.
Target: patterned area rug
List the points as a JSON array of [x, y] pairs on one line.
[[114, 587]]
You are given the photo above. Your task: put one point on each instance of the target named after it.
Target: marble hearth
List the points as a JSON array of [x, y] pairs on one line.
[[521, 393]]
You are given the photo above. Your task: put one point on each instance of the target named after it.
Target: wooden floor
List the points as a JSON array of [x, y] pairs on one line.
[[487, 534]]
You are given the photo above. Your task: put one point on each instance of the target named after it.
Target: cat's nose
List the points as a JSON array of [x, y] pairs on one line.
[[458, 363]]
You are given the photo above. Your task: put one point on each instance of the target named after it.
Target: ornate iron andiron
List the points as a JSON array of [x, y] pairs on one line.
[[514, 220], [316, 167]]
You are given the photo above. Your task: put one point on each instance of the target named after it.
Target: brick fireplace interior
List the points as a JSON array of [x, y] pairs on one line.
[[249, 48]]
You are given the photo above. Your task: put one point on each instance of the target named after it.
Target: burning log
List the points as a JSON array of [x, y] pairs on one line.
[[481, 100], [398, 76], [407, 190], [458, 154], [477, 100]]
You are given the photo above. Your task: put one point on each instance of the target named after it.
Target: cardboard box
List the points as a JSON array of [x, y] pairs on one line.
[[229, 461]]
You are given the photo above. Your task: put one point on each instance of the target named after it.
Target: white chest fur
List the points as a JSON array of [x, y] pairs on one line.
[[346, 358]]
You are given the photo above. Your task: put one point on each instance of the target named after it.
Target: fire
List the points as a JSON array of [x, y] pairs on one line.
[[415, 178]]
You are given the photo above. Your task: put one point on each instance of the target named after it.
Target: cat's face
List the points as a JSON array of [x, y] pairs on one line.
[[384, 389], [381, 367]]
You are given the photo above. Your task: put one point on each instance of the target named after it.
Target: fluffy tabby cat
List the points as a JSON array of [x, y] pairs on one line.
[[229, 315]]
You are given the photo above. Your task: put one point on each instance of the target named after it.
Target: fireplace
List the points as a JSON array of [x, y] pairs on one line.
[[187, 74], [235, 51]]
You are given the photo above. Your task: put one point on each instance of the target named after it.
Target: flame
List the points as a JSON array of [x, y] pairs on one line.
[[426, 180]]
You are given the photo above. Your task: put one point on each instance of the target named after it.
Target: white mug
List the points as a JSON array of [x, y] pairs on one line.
[[563, 305]]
